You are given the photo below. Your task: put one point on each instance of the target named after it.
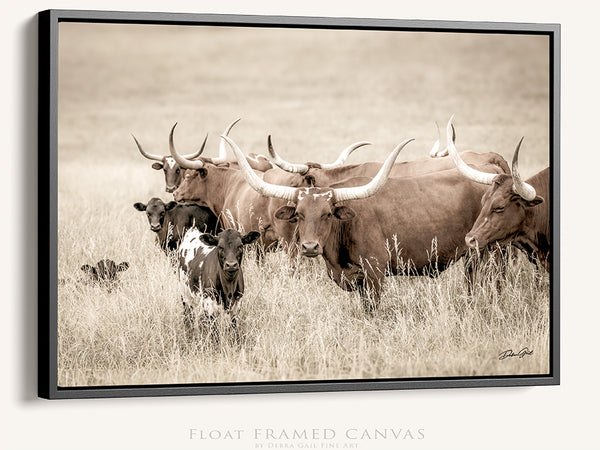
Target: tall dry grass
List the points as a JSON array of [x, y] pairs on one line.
[[316, 92], [292, 326]]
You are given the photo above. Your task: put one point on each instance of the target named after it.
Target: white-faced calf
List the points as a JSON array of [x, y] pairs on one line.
[[171, 220], [210, 273]]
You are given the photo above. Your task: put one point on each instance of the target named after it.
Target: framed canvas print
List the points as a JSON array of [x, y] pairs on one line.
[[247, 204]]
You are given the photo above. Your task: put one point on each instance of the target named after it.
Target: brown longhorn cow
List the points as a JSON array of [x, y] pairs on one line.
[[320, 175], [324, 175], [174, 172], [513, 211], [367, 228]]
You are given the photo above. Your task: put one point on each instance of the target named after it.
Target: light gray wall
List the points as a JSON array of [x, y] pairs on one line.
[[552, 417]]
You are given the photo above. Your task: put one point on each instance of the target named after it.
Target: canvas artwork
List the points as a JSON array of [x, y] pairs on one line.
[[239, 205]]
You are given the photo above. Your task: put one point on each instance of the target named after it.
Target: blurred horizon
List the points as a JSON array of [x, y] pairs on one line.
[[315, 90]]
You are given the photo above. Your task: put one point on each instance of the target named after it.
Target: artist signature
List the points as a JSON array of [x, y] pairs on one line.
[[510, 354]]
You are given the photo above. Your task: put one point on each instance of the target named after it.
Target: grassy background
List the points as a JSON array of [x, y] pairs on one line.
[[316, 92]]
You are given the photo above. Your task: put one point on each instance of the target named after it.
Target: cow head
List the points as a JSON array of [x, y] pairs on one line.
[[193, 186], [315, 209], [502, 213], [172, 170], [230, 249], [504, 206], [259, 162], [314, 212], [155, 210], [105, 270]]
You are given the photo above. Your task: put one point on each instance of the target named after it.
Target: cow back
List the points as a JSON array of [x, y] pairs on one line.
[[183, 217], [421, 219], [541, 184]]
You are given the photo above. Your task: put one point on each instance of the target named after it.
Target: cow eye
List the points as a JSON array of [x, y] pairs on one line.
[[498, 209], [177, 171]]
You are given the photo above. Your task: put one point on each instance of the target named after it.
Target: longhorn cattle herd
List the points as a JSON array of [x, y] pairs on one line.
[[367, 221]]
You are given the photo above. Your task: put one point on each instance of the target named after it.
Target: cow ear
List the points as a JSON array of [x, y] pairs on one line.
[[224, 164], [209, 239], [139, 206], [88, 269], [250, 237], [344, 213], [170, 205], [536, 201], [123, 266], [285, 213], [157, 166]]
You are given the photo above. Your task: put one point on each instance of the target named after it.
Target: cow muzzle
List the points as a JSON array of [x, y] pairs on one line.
[[155, 228], [311, 249], [471, 241], [170, 189], [231, 267]]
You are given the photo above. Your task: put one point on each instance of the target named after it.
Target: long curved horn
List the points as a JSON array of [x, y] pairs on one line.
[[463, 168], [282, 163], [258, 184], [436, 145], [198, 152], [222, 148], [146, 155], [344, 155], [303, 168], [183, 162], [519, 186], [378, 181]]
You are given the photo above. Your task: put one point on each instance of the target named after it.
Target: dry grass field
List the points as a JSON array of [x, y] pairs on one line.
[[316, 92]]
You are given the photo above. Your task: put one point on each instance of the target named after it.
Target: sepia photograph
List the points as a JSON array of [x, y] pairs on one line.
[[247, 204]]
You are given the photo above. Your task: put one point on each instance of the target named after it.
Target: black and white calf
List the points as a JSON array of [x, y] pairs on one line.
[[210, 273], [171, 220]]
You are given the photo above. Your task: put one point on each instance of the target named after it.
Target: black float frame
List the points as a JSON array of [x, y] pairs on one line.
[[48, 201]]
